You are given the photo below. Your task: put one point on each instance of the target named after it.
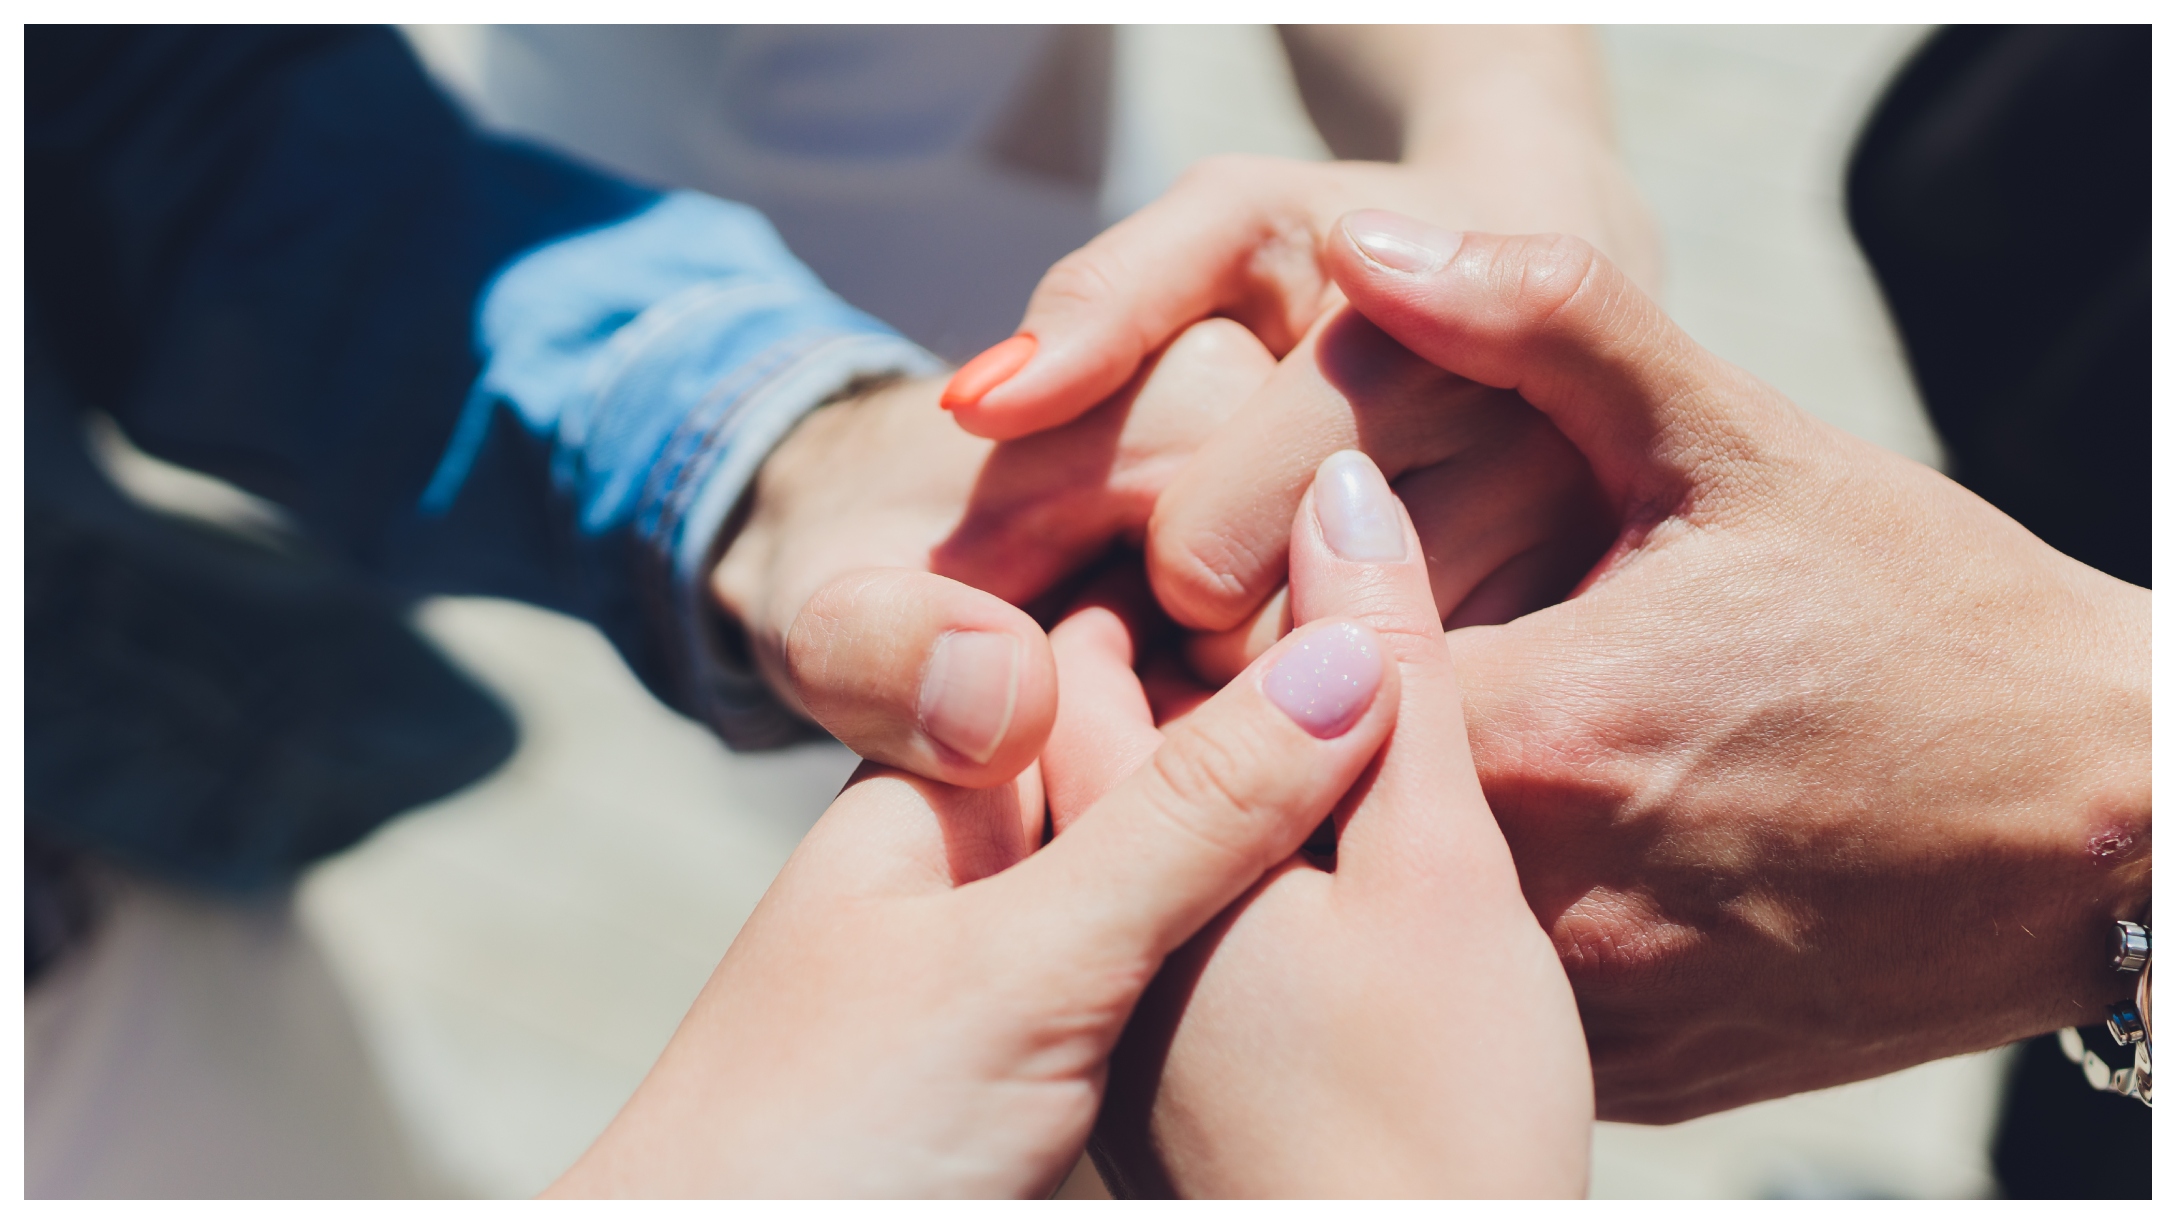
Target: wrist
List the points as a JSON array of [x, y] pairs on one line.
[[2101, 816]]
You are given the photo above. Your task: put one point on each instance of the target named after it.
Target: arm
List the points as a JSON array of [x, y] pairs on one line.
[[280, 256], [1502, 128], [1825, 768], [1519, 116]]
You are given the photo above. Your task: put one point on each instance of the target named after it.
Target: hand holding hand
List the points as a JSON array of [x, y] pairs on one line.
[[1396, 1026], [886, 553], [1828, 768], [922, 1006]]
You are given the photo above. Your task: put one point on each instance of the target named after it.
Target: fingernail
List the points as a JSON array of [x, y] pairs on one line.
[[1326, 678], [1357, 510], [969, 691], [1399, 242], [989, 368]]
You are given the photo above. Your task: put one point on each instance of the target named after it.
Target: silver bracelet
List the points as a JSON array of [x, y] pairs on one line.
[[2130, 1021]]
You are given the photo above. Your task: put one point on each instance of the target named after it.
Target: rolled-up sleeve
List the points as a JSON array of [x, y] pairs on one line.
[[465, 364], [661, 358]]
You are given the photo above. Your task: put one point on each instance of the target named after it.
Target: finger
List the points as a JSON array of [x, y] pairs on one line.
[[1355, 554], [1098, 312], [890, 832], [1551, 319], [1173, 690], [1105, 729], [1044, 505], [1507, 526], [925, 673], [1217, 657], [1235, 788], [1217, 543]]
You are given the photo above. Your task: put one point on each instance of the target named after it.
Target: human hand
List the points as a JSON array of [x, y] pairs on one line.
[[921, 1005], [1396, 1026], [1504, 129], [1829, 768], [880, 569]]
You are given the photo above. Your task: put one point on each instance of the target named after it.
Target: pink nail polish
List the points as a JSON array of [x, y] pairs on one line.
[[989, 369], [1326, 678]]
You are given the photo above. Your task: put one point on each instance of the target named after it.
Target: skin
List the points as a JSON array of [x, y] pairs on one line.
[[1828, 768], [925, 1003], [1396, 1027], [876, 529], [1501, 127]]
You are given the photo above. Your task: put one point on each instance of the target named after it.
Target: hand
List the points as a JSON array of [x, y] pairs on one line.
[[1503, 128], [921, 1006], [885, 551], [1397, 1026], [1828, 768]]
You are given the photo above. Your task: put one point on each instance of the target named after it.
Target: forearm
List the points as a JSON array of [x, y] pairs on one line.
[[1519, 116], [1451, 92]]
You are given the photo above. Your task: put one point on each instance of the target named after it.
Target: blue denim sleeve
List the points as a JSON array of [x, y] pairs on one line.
[[658, 360], [466, 365]]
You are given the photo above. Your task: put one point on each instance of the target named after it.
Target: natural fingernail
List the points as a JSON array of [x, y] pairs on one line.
[[1326, 678], [1357, 510], [969, 691], [991, 367], [1399, 242]]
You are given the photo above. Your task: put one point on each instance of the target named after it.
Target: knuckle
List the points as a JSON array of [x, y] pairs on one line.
[[1200, 575], [833, 624], [1211, 785], [1558, 279], [1089, 276]]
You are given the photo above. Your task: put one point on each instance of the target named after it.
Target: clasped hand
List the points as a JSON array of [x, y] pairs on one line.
[[1775, 722]]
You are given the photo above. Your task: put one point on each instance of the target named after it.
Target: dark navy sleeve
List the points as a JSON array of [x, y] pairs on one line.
[[282, 257]]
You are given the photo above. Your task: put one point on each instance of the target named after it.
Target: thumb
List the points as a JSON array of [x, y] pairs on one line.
[[1235, 788], [1552, 319], [928, 674]]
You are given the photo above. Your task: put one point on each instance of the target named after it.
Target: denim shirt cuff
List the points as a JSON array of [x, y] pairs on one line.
[[707, 469]]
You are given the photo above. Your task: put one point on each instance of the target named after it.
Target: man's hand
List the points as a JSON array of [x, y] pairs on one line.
[[1828, 768], [1503, 127], [1396, 1027], [886, 554]]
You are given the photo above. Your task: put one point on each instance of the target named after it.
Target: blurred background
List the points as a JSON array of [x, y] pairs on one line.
[[457, 1005]]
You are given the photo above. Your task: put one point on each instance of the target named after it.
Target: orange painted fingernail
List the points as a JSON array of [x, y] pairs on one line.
[[989, 368]]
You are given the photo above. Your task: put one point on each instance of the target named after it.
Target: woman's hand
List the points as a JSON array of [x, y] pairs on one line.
[[1397, 1025], [1495, 127], [924, 1003]]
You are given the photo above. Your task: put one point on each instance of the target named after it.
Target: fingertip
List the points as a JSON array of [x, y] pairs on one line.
[[926, 674], [987, 371], [1327, 677], [977, 690], [1388, 242]]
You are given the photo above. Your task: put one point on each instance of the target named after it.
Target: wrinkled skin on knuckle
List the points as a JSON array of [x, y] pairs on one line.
[[829, 635], [1556, 282], [1217, 782], [1201, 576], [1089, 276]]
